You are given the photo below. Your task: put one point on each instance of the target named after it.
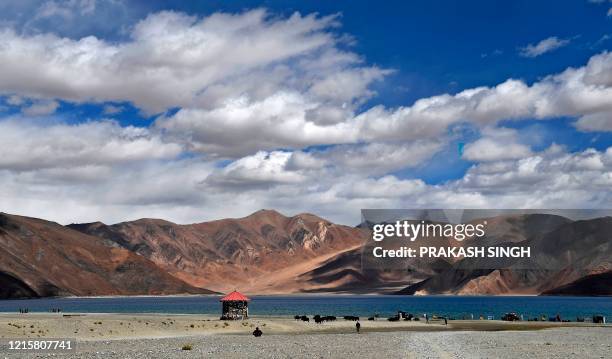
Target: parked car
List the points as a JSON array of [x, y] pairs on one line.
[[510, 317]]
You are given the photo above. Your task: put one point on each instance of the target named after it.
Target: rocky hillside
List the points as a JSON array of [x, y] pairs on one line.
[[596, 284], [264, 252], [269, 253], [564, 253], [40, 258]]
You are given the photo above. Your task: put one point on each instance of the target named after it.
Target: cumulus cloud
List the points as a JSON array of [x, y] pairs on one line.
[[261, 169], [241, 126], [496, 144], [14, 100], [40, 108], [378, 157], [30, 145], [552, 178], [601, 122], [573, 92], [248, 82], [259, 111], [387, 187], [173, 59], [547, 45]]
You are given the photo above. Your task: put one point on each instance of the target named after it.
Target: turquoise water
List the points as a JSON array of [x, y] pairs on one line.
[[339, 305]]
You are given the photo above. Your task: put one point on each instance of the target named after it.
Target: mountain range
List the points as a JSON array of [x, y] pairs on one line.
[[269, 253]]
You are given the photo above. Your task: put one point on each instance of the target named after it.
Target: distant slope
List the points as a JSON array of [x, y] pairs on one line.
[[40, 258], [230, 253], [595, 285], [269, 253], [569, 252], [11, 288]]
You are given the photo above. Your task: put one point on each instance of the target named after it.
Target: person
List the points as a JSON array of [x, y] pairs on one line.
[[445, 321], [426, 319], [358, 326], [257, 332]]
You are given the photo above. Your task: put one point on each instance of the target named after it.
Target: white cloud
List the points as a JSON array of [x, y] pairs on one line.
[[595, 122], [387, 187], [547, 45], [574, 92], [175, 60], [241, 126], [29, 145], [284, 120], [40, 108], [250, 82], [379, 157], [260, 169], [179, 190], [268, 118], [14, 100], [496, 144], [547, 180], [65, 9]]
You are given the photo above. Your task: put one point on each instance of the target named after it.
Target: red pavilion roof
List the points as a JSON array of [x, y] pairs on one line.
[[235, 296]]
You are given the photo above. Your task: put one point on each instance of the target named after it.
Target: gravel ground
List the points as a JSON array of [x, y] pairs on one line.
[[549, 343]]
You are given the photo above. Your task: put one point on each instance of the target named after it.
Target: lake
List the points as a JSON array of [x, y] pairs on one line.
[[339, 305]]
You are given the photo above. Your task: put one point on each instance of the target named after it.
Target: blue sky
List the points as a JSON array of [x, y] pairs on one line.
[[394, 81]]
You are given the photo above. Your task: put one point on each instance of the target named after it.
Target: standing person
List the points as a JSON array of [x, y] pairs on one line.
[[445, 321], [358, 326], [426, 319]]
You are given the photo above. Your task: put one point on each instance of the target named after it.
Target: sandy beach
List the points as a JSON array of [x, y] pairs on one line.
[[163, 336]]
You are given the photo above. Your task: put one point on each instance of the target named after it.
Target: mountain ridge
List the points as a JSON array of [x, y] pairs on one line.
[[267, 252]]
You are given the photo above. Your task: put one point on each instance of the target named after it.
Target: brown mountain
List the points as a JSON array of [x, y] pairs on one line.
[[569, 252], [362, 273], [595, 284], [40, 258], [265, 252]]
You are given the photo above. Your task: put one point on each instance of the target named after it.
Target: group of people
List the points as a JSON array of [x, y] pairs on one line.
[[24, 310]]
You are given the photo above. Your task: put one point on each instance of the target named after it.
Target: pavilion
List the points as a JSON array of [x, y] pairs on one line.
[[235, 306]]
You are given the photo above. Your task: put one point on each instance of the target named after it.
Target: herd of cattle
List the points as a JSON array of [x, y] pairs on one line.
[[320, 319], [330, 318]]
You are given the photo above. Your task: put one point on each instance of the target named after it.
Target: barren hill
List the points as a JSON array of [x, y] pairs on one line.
[[229, 253], [40, 258]]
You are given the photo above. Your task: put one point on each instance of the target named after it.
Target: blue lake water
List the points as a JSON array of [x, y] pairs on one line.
[[339, 305]]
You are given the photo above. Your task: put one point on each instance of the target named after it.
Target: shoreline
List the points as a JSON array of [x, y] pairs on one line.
[[132, 335], [118, 326], [326, 294]]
